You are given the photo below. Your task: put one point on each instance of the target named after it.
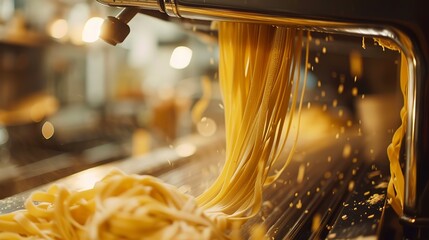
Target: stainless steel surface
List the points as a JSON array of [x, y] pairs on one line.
[[145, 4], [127, 14], [332, 185]]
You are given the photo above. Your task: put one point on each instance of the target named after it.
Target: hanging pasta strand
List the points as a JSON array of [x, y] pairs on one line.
[[395, 189], [259, 78]]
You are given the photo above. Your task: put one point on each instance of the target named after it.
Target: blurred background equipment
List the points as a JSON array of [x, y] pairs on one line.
[[65, 94]]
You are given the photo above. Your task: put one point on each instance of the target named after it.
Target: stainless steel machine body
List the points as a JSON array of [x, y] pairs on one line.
[[406, 23]]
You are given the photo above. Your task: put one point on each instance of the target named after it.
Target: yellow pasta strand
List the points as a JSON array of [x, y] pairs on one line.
[[203, 103], [395, 190], [257, 110], [396, 187]]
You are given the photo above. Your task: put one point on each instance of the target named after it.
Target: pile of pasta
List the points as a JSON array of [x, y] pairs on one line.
[[119, 206], [261, 83]]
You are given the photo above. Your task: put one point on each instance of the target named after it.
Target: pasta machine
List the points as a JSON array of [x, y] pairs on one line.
[[405, 23]]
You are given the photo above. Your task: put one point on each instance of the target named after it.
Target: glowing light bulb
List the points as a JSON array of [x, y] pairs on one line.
[[91, 30], [181, 57]]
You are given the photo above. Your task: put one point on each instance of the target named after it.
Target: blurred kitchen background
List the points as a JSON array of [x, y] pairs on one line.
[[69, 101]]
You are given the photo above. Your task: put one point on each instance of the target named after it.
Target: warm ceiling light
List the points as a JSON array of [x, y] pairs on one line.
[[91, 30], [181, 57]]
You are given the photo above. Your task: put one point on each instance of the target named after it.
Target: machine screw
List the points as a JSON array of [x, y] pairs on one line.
[[115, 29]]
